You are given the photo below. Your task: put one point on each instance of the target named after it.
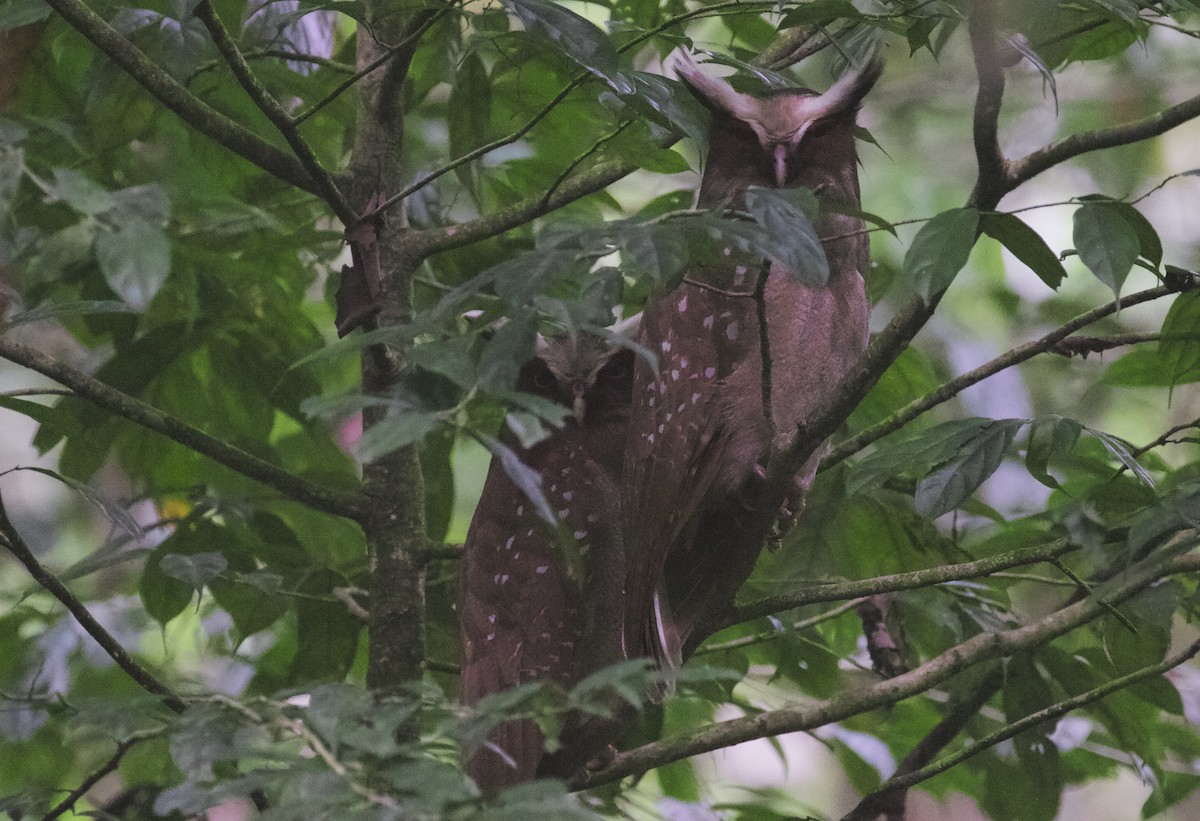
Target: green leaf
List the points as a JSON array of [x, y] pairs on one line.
[[1049, 437], [402, 426], [196, 570], [1106, 242], [1026, 245], [1124, 11], [1169, 791], [327, 633], [657, 251], [1179, 347], [469, 115], [164, 596], [79, 192], [14, 13], [917, 454], [940, 250], [819, 11], [135, 257], [784, 216], [115, 513], [502, 357], [977, 459], [575, 36]]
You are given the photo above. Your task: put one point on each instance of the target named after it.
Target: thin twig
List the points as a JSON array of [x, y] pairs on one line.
[[1019, 171], [13, 542], [960, 383], [269, 106], [771, 635], [980, 648], [190, 108], [837, 591], [1041, 716], [337, 502], [93, 778], [408, 41]]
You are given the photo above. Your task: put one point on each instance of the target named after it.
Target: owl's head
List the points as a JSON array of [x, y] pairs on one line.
[[585, 371], [791, 126]]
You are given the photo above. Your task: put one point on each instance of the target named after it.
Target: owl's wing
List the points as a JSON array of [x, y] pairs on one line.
[[673, 454], [519, 616]]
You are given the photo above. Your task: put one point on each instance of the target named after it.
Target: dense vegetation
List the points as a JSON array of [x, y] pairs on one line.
[[236, 597]]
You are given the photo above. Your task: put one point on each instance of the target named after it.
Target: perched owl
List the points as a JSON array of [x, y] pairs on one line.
[[525, 615], [700, 432]]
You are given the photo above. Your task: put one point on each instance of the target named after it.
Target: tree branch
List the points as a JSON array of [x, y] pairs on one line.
[[93, 778], [406, 44], [993, 168], [960, 383], [274, 112], [187, 106], [979, 648], [16, 545], [1019, 171], [1033, 719], [339, 503], [959, 715], [838, 591], [430, 241]]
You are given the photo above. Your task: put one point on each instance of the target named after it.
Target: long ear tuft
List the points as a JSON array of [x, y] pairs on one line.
[[627, 328], [847, 93], [714, 92]]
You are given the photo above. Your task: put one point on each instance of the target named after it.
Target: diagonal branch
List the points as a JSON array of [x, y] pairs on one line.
[[959, 715], [838, 591], [960, 383], [429, 241], [1030, 166], [1033, 719], [337, 502], [980, 648], [150, 683], [187, 106], [114, 761], [274, 112]]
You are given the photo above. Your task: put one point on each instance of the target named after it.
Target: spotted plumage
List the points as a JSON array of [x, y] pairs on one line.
[[524, 616], [699, 432]]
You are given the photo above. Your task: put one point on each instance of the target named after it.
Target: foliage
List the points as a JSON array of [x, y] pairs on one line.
[[200, 280]]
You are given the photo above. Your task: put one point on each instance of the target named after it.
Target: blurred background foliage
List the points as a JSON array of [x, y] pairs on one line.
[[139, 251]]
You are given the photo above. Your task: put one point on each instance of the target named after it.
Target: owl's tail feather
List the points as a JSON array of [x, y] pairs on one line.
[[510, 756], [663, 640]]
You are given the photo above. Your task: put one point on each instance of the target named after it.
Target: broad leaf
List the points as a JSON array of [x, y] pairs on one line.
[[1026, 245], [196, 570], [940, 250], [1049, 437], [575, 36], [977, 459], [1106, 242]]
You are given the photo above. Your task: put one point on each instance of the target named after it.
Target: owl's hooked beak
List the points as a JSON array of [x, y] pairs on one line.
[[578, 405], [781, 152]]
